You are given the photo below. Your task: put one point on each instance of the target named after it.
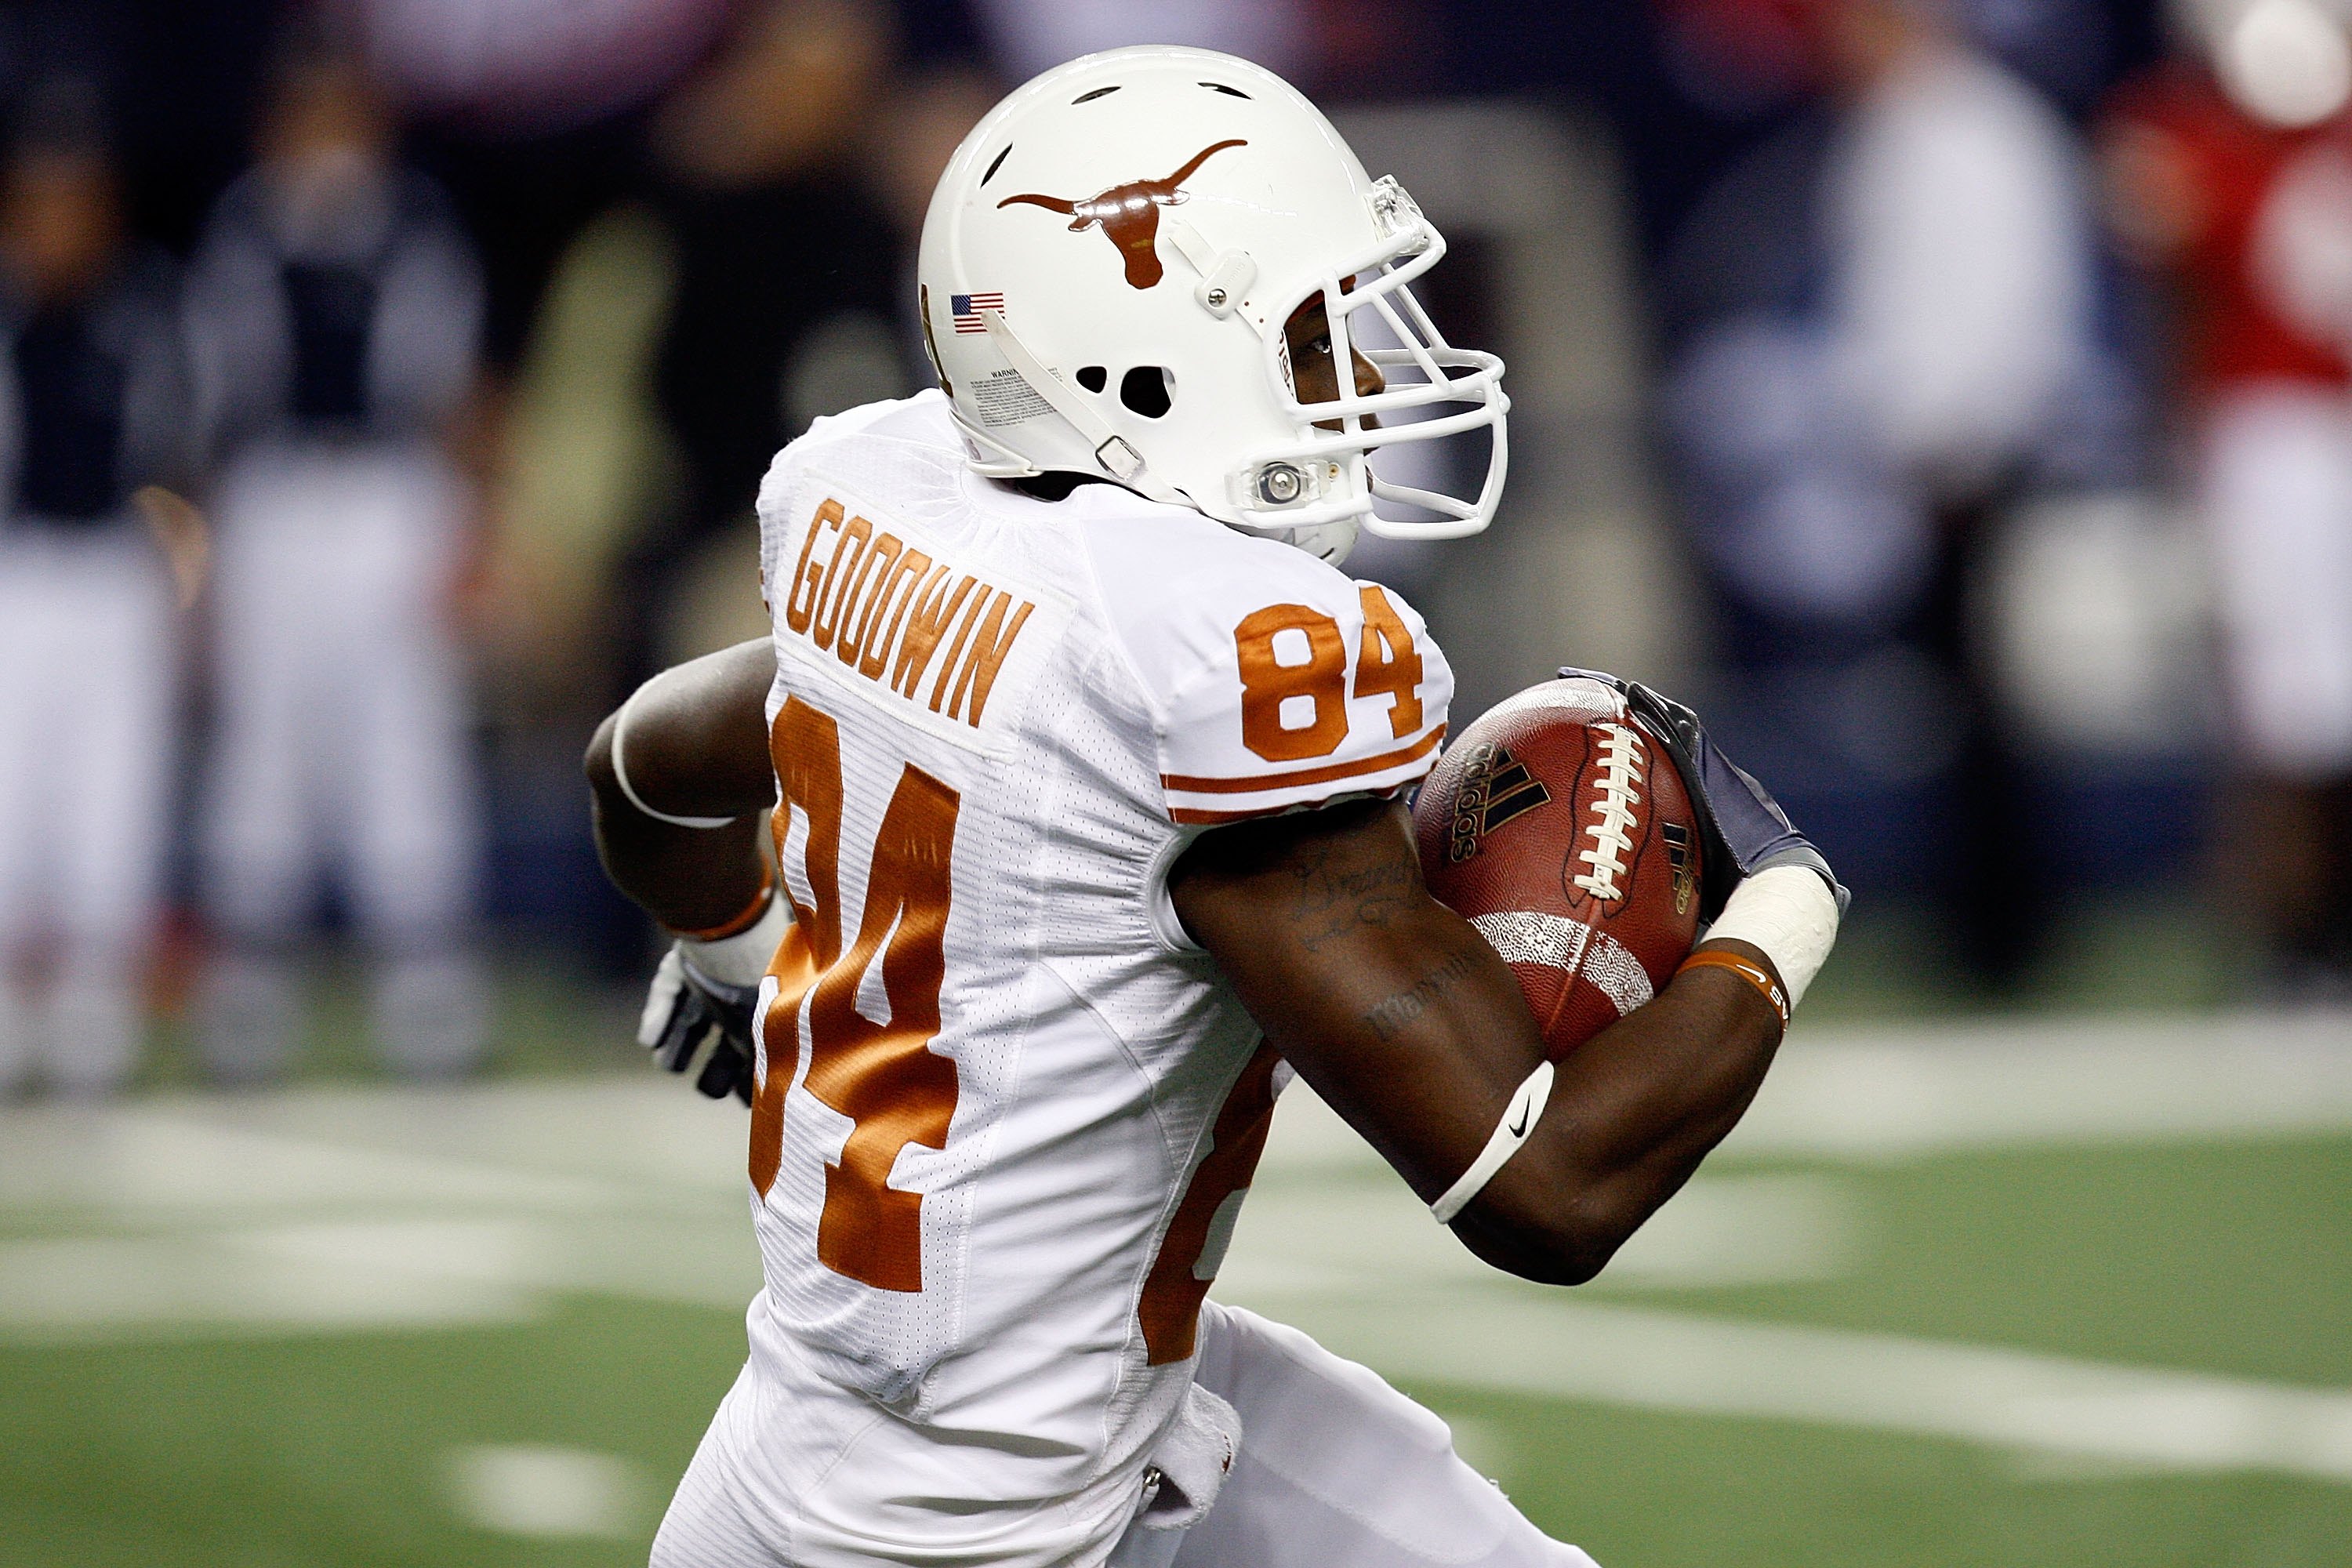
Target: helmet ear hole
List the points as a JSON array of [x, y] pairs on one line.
[[1149, 390], [1093, 377]]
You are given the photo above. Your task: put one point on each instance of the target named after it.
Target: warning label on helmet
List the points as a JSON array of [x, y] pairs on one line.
[[1001, 397]]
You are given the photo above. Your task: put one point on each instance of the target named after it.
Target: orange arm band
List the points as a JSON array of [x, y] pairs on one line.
[[742, 922], [1747, 969]]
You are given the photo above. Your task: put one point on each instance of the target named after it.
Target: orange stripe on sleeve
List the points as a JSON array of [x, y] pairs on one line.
[[1189, 784]]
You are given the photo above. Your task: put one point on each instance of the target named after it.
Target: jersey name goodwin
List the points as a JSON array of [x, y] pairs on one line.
[[894, 614]]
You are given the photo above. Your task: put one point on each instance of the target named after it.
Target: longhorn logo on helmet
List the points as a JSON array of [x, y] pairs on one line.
[[1128, 213]]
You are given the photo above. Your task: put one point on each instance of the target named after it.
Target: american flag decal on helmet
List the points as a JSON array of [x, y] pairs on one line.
[[966, 310]]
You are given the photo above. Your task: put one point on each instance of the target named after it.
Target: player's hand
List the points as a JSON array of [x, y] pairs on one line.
[[689, 1016], [702, 1005], [1743, 829]]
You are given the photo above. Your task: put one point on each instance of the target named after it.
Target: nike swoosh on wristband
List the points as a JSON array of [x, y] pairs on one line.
[[1527, 1103]]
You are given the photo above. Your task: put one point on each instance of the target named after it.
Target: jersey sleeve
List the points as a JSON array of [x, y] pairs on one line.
[[1279, 683]]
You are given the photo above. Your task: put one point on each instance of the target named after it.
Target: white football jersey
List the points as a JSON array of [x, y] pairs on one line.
[[1006, 1110]]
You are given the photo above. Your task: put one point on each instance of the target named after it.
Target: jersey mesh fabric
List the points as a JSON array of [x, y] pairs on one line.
[[998, 1410]]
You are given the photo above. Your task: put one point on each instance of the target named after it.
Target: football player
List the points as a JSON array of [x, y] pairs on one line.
[[1085, 767]]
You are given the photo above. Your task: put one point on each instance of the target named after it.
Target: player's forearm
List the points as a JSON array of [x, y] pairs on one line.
[[1632, 1113], [1401, 1016]]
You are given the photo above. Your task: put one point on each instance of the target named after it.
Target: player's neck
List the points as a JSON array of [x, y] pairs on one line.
[[1053, 486]]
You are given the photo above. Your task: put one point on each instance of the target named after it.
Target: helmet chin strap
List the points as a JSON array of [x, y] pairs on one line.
[[1331, 542], [1120, 459]]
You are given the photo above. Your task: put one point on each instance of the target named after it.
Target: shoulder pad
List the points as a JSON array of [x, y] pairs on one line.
[[1274, 681]]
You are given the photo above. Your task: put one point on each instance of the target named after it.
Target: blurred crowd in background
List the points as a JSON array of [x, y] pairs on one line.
[[1952, 398]]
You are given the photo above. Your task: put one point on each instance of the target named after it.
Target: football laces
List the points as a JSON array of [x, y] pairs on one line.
[[1613, 817]]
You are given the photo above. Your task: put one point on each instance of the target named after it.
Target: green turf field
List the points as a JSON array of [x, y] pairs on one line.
[[2029, 1294]]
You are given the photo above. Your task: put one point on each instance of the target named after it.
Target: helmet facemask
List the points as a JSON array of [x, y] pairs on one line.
[[1429, 391]]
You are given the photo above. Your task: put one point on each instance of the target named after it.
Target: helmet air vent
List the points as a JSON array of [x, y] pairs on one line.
[[1148, 390], [1090, 97], [1093, 377], [1228, 91], [996, 162]]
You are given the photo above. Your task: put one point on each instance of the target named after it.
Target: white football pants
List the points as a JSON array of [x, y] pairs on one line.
[[2276, 489], [87, 673], [1337, 1471], [342, 746], [1337, 1467]]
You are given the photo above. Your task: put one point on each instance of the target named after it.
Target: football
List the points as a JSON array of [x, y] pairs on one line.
[[1559, 828]]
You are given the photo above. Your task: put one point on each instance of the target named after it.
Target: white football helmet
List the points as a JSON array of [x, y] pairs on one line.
[[1107, 268]]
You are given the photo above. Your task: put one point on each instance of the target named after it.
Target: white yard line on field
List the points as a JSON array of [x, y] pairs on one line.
[[374, 1273], [1875, 1094], [203, 1284], [1561, 1347], [550, 1493]]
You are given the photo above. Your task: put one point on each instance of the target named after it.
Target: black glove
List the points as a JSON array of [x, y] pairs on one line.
[[687, 1010], [1742, 829]]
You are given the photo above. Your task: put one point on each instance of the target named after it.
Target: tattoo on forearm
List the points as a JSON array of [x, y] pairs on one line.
[[1328, 901], [1395, 1012]]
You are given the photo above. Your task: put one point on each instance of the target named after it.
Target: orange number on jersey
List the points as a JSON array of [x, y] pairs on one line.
[[1268, 683], [1170, 1308], [884, 1076], [1387, 663], [806, 747]]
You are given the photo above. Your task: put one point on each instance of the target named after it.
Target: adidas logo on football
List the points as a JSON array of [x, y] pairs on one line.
[[1495, 787]]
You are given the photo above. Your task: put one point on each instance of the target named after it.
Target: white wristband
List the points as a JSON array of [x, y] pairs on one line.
[[1790, 913], [1520, 1119], [743, 959], [621, 772]]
